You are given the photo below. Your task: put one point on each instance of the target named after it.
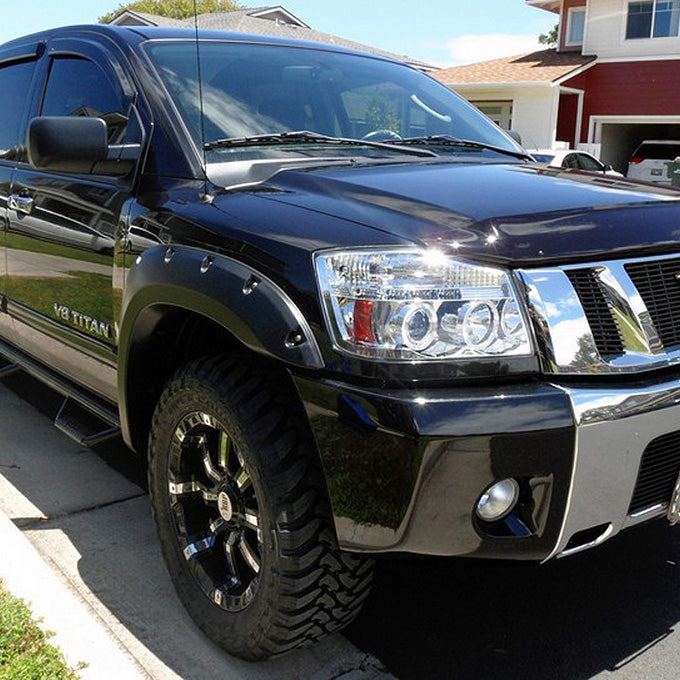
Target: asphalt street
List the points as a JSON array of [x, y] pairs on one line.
[[610, 612]]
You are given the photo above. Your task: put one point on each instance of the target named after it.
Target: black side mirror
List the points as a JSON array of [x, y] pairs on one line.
[[607, 168], [77, 144]]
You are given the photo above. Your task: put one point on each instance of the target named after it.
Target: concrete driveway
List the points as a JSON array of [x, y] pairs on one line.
[[611, 612], [88, 516]]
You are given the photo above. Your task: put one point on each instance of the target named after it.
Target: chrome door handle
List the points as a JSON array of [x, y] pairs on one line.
[[22, 204]]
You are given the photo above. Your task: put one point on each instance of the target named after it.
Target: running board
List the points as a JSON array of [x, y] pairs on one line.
[[83, 416], [81, 425]]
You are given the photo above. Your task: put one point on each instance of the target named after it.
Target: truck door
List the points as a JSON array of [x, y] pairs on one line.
[[17, 70], [62, 227]]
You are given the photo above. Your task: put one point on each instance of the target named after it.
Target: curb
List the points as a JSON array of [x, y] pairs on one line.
[[79, 635]]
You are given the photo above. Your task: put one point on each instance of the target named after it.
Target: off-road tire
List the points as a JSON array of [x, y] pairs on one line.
[[306, 587]]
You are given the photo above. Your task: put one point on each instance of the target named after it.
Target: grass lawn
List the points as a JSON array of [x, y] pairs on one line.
[[25, 653]]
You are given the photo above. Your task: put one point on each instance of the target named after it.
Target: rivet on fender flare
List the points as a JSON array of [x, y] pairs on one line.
[[206, 264]]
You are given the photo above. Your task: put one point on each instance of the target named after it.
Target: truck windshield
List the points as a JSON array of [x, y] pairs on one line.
[[259, 89]]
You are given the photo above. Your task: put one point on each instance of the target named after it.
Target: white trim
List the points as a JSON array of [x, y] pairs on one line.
[[585, 25], [579, 110], [596, 123], [277, 8], [559, 26], [570, 12], [134, 15], [554, 113], [658, 57], [575, 72]]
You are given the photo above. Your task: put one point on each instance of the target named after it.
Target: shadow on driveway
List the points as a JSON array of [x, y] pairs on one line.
[[96, 526]]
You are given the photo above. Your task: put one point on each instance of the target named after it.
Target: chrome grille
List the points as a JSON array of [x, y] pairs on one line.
[[659, 470], [657, 284], [589, 289]]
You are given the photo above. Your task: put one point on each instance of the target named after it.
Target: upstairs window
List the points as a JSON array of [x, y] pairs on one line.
[[576, 22], [653, 19]]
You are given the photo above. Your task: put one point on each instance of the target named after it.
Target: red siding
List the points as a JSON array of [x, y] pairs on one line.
[[563, 24], [634, 88], [566, 121]]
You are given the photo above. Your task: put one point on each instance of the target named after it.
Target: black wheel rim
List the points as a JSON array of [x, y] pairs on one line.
[[216, 511]]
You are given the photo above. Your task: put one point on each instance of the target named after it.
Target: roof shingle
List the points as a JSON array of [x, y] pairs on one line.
[[544, 66]]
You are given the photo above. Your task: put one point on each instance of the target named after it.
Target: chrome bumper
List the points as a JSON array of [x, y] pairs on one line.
[[613, 429]]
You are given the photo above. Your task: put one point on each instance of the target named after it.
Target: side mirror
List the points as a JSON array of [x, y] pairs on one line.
[[607, 167], [77, 144], [515, 135]]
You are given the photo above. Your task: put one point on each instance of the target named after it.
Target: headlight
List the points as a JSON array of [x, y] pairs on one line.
[[419, 304]]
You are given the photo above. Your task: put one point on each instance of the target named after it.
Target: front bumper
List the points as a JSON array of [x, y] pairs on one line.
[[405, 468]]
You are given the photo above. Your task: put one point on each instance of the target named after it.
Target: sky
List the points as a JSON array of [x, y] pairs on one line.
[[444, 32]]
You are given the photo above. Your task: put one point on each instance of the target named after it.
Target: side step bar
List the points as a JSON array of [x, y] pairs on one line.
[[83, 417]]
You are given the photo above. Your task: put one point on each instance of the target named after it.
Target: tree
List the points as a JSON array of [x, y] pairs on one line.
[[175, 9], [549, 39]]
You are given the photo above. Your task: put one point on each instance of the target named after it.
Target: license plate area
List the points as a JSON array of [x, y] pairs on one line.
[[656, 172]]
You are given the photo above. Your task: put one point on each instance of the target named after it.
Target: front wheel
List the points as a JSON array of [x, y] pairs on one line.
[[242, 512]]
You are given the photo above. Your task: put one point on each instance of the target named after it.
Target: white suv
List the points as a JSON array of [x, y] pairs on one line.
[[649, 160]]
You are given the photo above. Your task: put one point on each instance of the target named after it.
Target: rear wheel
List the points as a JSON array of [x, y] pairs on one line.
[[242, 511]]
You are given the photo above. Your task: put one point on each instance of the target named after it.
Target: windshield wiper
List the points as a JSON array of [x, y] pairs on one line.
[[306, 137], [447, 140]]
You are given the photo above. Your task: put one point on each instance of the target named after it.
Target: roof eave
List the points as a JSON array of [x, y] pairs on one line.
[[548, 5], [497, 84]]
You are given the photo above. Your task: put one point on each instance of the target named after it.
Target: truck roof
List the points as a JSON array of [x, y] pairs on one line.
[[133, 35]]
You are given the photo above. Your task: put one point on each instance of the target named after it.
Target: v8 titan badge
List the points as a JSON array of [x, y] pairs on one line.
[[674, 508]]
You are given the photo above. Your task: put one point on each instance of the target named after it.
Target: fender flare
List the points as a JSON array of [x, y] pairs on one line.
[[249, 305]]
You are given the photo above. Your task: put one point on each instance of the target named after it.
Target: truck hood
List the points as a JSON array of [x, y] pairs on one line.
[[508, 213]]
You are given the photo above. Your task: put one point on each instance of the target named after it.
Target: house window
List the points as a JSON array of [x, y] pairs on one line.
[[576, 21], [499, 112], [653, 19]]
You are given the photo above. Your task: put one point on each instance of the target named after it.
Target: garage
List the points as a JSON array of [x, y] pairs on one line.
[[618, 137]]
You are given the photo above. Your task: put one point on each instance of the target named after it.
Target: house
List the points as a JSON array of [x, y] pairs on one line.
[[275, 21], [612, 81]]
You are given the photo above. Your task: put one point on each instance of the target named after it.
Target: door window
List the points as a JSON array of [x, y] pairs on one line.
[[78, 87], [589, 163], [15, 83]]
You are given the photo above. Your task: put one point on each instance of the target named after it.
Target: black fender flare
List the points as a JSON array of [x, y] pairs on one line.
[[249, 305]]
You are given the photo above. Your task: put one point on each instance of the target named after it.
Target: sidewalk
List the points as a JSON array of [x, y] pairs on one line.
[[93, 568]]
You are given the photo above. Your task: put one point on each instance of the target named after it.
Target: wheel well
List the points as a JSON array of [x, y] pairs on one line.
[[164, 339]]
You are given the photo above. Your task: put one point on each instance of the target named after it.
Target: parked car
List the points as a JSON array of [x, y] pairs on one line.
[[573, 160], [344, 315], [650, 160]]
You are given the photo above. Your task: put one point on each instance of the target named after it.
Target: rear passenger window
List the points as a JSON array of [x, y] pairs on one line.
[[15, 83], [78, 87]]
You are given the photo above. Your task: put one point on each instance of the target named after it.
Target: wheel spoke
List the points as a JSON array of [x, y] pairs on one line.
[[208, 465], [217, 526], [251, 520], [224, 445], [234, 579], [199, 546], [249, 556], [190, 487], [242, 479]]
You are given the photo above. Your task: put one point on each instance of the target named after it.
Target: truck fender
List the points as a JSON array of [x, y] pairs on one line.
[[249, 305]]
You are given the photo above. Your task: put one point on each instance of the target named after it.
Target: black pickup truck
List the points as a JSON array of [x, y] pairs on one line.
[[342, 313]]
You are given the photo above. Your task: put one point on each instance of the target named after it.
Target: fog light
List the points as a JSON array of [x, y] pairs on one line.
[[498, 500]]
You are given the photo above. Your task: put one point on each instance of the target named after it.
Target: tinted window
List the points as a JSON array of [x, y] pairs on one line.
[[667, 152], [15, 81], [589, 163], [570, 161], [78, 87]]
